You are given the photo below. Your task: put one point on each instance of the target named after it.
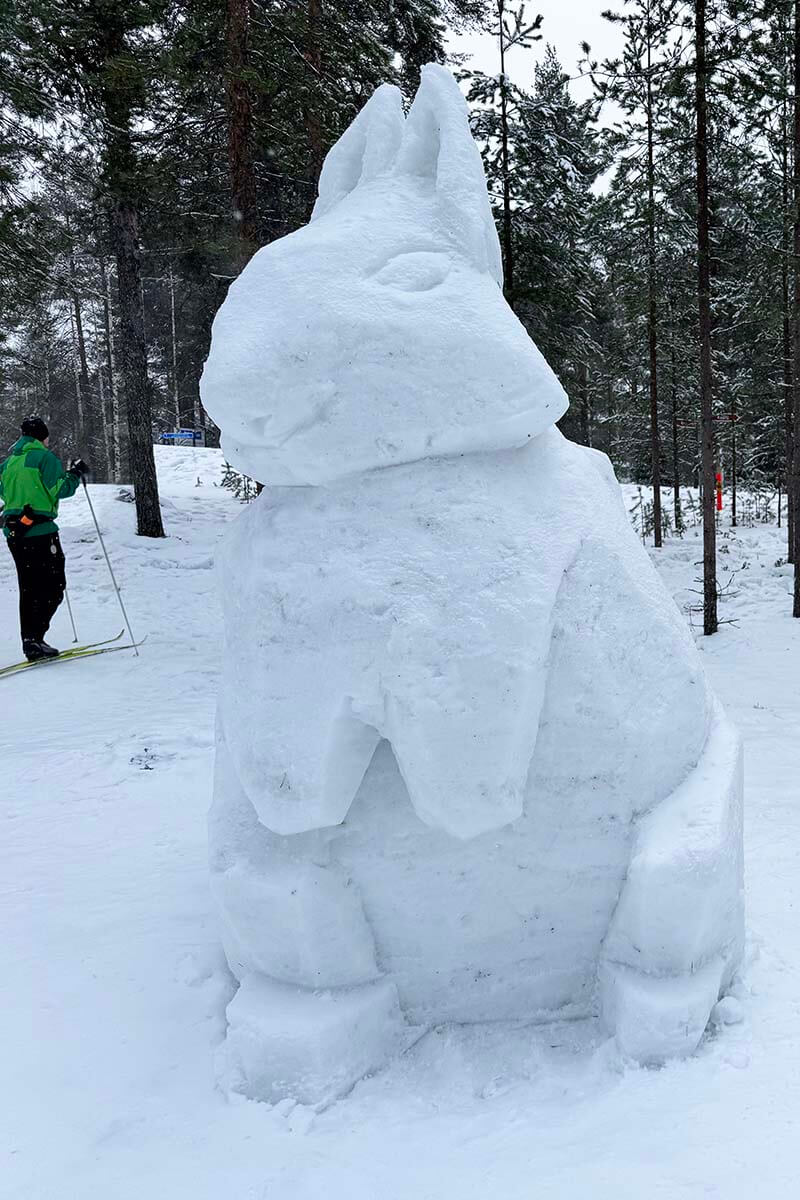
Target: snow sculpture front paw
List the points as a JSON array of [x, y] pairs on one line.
[[676, 935]]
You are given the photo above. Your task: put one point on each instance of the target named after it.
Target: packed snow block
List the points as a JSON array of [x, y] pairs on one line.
[[655, 1018], [286, 910], [682, 901], [309, 1045], [296, 922]]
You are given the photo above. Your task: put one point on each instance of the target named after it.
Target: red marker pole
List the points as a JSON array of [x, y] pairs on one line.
[[719, 491]]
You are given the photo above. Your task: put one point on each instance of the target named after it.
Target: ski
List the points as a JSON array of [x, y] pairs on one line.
[[72, 656], [19, 666]]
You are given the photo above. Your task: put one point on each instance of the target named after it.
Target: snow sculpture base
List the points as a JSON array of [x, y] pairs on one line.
[[295, 909], [312, 1046]]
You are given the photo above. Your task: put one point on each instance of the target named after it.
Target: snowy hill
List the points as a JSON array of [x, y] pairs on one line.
[[115, 986]]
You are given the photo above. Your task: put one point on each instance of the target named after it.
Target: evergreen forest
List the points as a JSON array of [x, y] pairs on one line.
[[650, 231]]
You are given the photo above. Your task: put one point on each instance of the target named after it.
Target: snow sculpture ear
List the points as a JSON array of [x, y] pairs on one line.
[[438, 148], [366, 148]]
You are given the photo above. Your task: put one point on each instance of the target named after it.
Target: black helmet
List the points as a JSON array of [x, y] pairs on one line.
[[35, 427]]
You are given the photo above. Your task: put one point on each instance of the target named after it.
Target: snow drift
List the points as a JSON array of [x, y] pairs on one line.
[[469, 767]]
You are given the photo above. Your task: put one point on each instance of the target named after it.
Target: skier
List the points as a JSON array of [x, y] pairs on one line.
[[32, 481]]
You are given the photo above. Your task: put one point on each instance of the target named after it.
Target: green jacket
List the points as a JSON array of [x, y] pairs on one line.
[[33, 475]]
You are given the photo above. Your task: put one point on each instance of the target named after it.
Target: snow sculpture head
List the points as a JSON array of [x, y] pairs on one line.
[[378, 334]]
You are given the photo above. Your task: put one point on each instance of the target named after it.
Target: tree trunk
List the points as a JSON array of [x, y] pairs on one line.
[[240, 121], [80, 356], [676, 458], [710, 623], [121, 175], [583, 394], [90, 444], [47, 389], [108, 328], [79, 392], [176, 400], [101, 389], [655, 437], [91, 432], [508, 241], [610, 415], [313, 57], [734, 465], [796, 317], [104, 412], [133, 359], [80, 367], [786, 333]]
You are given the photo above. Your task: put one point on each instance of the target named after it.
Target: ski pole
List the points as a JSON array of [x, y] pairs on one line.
[[72, 619], [110, 569]]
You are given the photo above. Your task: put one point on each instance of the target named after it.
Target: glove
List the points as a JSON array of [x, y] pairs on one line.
[[78, 467]]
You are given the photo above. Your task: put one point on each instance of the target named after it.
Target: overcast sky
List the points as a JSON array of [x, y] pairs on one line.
[[566, 24]]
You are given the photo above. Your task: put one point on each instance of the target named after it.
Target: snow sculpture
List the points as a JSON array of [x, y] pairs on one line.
[[469, 767]]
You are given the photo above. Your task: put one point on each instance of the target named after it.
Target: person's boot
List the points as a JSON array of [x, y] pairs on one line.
[[33, 650]]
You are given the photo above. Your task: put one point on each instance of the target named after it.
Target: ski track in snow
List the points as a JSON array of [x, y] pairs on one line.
[[115, 987]]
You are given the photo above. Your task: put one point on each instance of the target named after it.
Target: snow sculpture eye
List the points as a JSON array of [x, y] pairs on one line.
[[416, 271]]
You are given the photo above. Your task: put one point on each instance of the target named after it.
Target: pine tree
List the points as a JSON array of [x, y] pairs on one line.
[[119, 95], [94, 60], [501, 119], [551, 163], [637, 82]]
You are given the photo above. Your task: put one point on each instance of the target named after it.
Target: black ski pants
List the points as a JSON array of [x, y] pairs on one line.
[[42, 582]]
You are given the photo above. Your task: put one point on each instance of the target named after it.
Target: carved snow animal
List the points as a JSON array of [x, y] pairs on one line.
[[469, 767]]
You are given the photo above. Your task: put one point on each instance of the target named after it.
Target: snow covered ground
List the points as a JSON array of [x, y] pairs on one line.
[[113, 985]]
